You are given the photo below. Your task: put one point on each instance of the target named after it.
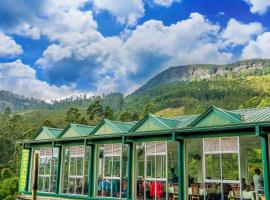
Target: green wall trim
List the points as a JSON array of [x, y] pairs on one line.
[[28, 170], [180, 162], [266, 170], [57, 189], [130, 170], [91, 164], [68, 196], [93, 169]]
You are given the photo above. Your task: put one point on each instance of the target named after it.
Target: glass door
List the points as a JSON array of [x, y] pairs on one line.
[[221, 168], [109, 181], [155, 184]]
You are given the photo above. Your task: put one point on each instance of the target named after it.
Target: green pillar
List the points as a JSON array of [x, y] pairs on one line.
[[265, 160], [130, 169], [180, 149], [94, 163], [91, 168], [28, 170], [59, 164]]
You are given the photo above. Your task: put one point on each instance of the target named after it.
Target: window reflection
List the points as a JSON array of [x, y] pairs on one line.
[[112, 178]]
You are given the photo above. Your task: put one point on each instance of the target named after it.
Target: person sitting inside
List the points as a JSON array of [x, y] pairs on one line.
[[174, 176], [258, 180]]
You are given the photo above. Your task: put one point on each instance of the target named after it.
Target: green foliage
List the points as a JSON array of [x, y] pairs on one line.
[[108, 113], [9, 188], [72, 115], [95, 110]]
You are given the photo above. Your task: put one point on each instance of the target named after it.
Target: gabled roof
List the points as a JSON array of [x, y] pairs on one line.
[[254, 114], [216, 116], [153, 122], [76, 130], [107, 126], [47, 133]]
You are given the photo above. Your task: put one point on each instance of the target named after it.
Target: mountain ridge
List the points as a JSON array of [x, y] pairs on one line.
[[201, 71], [172, 75]]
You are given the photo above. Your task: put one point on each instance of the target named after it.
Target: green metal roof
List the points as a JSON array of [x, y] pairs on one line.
[[254, 114], [211, 117], [49, 131], [79, 129], [107, 126]]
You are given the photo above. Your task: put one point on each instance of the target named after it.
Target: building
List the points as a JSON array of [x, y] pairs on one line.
[[213, 155]]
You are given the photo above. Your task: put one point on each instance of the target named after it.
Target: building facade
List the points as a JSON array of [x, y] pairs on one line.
[[217, 155]]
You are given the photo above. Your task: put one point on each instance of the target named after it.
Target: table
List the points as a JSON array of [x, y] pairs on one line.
[[201, 191], [245, 194]]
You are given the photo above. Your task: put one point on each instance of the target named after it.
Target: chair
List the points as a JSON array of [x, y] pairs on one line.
[[195, 192], [175, 192], [236, 192]]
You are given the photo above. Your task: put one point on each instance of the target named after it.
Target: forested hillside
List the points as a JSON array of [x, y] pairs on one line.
[[176, 91]]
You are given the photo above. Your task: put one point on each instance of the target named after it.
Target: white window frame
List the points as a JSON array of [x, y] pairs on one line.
[[45, 176], [220, 152], [75, 177]]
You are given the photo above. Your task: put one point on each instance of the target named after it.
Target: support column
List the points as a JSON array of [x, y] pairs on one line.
[[28, 170], [180, 149], [130, 169], [59, 164], [265, 160], [91, 171]]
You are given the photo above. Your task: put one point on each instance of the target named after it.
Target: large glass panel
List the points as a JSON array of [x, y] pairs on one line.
[[109, 171], [230, 169], [212, 167], [74, 171], [152, 170], [47, 169], [140, 166], [251, 168]]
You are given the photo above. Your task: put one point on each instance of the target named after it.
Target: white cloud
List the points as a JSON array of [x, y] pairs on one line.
[[126, 12], [237, 33], [166, 3], [8, 46], [21, 79], [123, 63], [26, 30], [258, 6], [259, 48]]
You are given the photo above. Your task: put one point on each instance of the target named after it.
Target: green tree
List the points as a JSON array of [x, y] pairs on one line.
[[126, 116], [95, 110], [135, 117], [148, 109], [48, 123], [108, 113], [72, 115]]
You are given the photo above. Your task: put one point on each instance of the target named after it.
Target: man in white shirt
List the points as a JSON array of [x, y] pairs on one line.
[[258, 180]]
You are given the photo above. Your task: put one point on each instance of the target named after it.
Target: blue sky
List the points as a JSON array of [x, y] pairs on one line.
[[55, 49]]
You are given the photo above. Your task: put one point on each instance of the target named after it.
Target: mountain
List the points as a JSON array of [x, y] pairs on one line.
[[21, 103], [193, 88], [202, 71], [17, 103]]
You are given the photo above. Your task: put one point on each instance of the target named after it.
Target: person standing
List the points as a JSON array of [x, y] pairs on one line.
[[258, 180]]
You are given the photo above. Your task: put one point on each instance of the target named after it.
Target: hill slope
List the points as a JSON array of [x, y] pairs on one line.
[[196, 87], [202, 71]]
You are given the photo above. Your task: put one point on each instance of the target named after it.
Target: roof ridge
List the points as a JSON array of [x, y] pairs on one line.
[[82, 125]]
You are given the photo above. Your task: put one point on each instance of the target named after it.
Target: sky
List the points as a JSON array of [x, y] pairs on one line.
[[56, 49]]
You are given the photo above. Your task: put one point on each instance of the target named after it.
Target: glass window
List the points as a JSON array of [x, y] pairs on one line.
[[48, 166], [74, 171], [111, 170], [212, 166], [152, 170]]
